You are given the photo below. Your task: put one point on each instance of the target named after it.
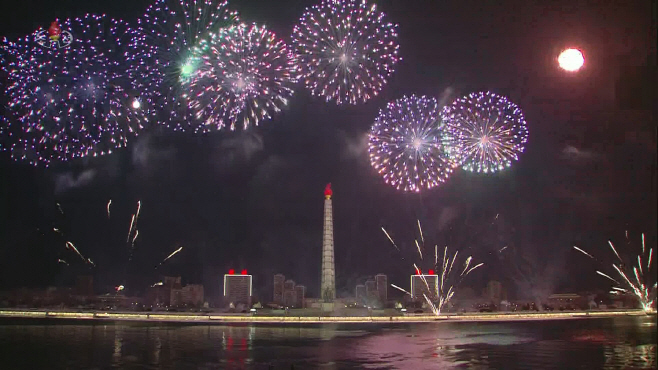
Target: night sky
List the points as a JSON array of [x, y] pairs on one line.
[[254, 200]]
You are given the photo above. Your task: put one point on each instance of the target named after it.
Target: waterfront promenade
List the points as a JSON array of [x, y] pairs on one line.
[[217, 318]]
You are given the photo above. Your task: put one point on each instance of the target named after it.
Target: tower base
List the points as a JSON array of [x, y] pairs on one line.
[[328, 307]]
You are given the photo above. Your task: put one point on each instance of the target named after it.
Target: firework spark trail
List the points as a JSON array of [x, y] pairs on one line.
[[473, 268], [607, 276], [615, 250], [453, 262], [431, 304], [139, 207], [583, 252], [466, 264], [62, 261], [420, 229], [637, 291], [130, 230], [60, 208], [389, 238], [72, 247], [169, 256], [502, 249], [108, 208], [419, 251], [135, 237], [649, 261], [436, 255], [637, 277], [159, 283], [133, 220], [400, 289], [444, 266]]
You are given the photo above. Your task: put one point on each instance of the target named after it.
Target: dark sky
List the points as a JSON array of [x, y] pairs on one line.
[[254, 200]]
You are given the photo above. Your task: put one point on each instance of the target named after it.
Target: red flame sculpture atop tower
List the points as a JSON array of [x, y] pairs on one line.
[[327, 191], [54, 31]]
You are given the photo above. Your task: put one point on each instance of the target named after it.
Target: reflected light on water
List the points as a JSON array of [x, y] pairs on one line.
[[592, 343]]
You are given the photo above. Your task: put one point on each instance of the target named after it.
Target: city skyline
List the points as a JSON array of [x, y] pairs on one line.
[[251, 199]]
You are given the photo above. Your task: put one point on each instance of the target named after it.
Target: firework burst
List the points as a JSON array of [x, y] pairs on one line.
[[345, 50], [437, 290], [408, 145], [488, 131], [243, 77], [637, 277], [74, 101], [172, 29]]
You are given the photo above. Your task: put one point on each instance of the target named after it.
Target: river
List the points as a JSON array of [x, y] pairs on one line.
[[601, 343]]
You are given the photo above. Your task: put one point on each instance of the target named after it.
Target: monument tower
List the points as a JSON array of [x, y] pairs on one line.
[[328, 284]]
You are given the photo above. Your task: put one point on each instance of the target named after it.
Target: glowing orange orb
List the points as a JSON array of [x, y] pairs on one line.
[[571, 60]]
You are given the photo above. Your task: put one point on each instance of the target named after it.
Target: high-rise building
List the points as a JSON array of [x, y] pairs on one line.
[[300, 295], [290, 298], [289, 293], [382, 287], [371, 291], [360, 294], [237, 288], [494, 292], [419, 287], [328, 281], [192, 295], [279, 279], [289, 285]]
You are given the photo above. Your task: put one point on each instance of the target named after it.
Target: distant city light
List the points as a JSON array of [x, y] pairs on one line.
[[571, 60], [431, 272], [231, 272], [244, 272]]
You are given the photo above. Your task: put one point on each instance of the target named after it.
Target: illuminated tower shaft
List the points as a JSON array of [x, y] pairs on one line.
[[328, 284]]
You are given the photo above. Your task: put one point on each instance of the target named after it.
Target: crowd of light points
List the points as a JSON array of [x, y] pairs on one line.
[[173, 28], [243, 76], [344, 50], [408, 144], [488, 130], [76, 101]]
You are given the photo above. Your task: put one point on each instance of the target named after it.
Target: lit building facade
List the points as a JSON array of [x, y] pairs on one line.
[[237, 288], [382, 287], [418, 287]]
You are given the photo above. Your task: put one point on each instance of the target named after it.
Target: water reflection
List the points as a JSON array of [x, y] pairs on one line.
[[597, 344]]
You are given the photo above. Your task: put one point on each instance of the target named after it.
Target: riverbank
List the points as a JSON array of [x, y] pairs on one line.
[[255, 318]]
